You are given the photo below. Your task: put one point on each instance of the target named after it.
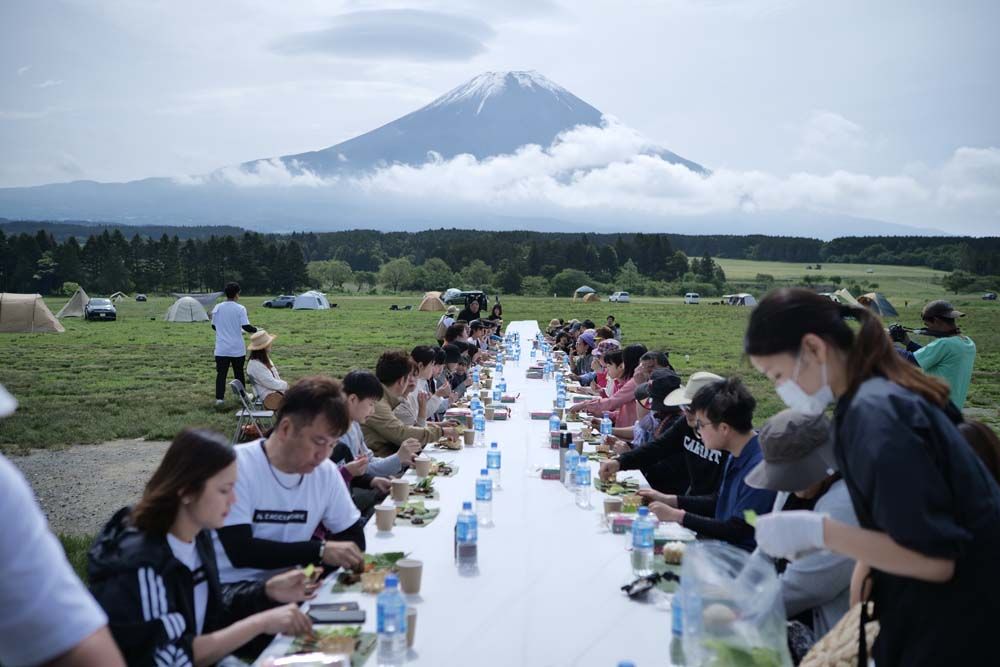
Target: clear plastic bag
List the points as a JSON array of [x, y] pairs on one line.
[[732, 608]]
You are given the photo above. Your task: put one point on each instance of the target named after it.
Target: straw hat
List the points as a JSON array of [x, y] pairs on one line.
[[260, 340]]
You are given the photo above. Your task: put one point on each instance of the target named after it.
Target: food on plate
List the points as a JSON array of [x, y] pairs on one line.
[[448, 443], [329, 640], [424, 487]]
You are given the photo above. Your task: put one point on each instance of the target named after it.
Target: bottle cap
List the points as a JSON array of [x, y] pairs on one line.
[[467, 505], [484, 472], [493, 445], [643, 511], [391, 581]]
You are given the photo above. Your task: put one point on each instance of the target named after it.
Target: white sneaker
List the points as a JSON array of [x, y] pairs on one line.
[[219, 402]]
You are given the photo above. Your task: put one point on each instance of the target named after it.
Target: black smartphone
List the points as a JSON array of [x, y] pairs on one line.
[[336, 616]]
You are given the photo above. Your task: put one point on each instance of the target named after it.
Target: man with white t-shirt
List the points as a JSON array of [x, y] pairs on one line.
[[48, 616], [229, 320], [287, 486]]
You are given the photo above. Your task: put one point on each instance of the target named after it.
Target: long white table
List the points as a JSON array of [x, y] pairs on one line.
[[547, 592]]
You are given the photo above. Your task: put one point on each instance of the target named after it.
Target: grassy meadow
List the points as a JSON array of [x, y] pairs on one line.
[[143, 377]]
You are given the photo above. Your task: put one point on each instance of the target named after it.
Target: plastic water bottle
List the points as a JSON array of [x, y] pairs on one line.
[[561, 398], [554, 423], [503, 386], [583, 483], [479, 424], [677, 631], [466, 537], [547, 370], [497, 393], [391, 613], [484, 498], [642, 543], [572, 460], [607, 428], [475, 404], [493, 464], [533, 352], [499, 367], [475, 375]]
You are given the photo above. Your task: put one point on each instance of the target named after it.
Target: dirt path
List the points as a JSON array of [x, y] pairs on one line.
[[81, 487]]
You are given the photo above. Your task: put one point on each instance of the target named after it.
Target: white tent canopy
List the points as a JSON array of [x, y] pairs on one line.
[[742, 299], [74, 307], [206, 299], [311, 300], [117, 297], [186, 309]]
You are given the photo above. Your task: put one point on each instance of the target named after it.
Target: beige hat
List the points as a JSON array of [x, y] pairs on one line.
[[685, 394], [452, 310], [260, 340]]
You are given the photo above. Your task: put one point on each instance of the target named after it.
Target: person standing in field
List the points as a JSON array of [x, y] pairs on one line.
[[229, 320]]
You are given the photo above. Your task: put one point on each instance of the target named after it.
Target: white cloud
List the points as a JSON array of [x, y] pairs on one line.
[[48, 83], [21, 71], [827, 139], [611, 167]]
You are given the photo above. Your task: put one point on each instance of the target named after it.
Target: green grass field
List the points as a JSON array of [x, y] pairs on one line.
[[143, 377]]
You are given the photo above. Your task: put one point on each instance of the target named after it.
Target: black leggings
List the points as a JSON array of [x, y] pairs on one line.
[[222, 365]]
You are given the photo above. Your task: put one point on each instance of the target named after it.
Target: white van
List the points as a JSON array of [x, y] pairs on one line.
[[692, 297]]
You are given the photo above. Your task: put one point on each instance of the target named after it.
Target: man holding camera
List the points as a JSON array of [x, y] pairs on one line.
[[949, 356]]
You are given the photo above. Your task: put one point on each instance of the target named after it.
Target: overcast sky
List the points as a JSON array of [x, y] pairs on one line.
[[776, 89]]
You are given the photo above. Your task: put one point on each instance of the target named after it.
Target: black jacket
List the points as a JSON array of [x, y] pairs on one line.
[[148, 594]]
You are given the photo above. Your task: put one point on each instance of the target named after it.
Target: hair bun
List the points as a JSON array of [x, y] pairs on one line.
[[846, 310]]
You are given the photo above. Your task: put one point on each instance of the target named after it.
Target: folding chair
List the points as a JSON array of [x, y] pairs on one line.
[[247, 414]]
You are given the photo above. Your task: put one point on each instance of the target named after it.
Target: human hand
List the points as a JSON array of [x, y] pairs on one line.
[[665, 512], [449, 432], [422, 397], [358, 466], [408, 449], [652, 496], [443, 392], [285, 620], [609, 469], [620, 446], [343, 554], [383, 484], [292, 586], [790, 534]]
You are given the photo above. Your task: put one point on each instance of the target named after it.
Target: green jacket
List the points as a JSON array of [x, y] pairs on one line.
[[384, 432]]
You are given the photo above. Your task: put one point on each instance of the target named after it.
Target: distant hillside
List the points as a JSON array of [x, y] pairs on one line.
[[81, 229]]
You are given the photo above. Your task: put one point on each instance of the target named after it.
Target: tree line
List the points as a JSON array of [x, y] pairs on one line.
[[193, 259]]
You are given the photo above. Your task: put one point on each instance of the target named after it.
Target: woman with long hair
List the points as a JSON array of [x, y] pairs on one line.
[[929, 512], [263, 373], [153, 570], [622, 405]]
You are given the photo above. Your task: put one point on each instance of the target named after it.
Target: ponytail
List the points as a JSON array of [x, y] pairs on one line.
[[785, 315]]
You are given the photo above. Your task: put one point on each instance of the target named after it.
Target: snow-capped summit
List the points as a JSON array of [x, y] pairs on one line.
[[490, 84]]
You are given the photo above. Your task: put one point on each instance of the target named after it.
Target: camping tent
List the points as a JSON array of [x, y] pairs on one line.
[[26, 313], [742, 299], [591, 298], [431, 301], [843, 295], [311, 300], [74, 307], [582, 291], [877, 302], [433, 293], [206, 299], [117, 297], [186, 309]]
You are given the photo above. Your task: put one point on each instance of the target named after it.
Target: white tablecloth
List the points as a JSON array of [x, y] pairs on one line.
[[547, 592]]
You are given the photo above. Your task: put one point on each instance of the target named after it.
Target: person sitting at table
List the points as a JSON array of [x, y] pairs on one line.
[[412, 409], [383, 431], [437, 385], [585, 343], [723, 412], [596, 381], [153, 568], [496, 316], [471, 310], [800, 465], [621, 404], [270, 388], [287, 487]]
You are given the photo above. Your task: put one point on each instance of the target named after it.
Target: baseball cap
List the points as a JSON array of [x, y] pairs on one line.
[[798, 452], [941, 309], [657, 388], [684, 395]]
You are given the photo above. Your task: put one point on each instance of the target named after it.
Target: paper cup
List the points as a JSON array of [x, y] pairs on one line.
[[422, 466], [488, 383], [400, 490], [484, 394], [613, 504], [411, 626], [489, 411], [470, 436], [385, 516], [410, 571]]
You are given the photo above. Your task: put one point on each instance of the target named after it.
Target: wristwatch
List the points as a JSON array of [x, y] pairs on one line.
[[322, 550]]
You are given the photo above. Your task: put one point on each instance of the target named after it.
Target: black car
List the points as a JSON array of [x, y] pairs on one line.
[[100, 309], [140, 297], [283, 301]]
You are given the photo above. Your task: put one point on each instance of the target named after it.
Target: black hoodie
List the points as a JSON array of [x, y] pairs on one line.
[[148, 594]]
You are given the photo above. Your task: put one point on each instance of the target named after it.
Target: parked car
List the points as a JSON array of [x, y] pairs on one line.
[[140, 297], [990, 296], [620, 297], [460, 298], [283, 301], [692, 298], [100, 309]]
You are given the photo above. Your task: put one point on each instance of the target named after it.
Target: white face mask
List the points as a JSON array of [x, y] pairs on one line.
[[797, 399]]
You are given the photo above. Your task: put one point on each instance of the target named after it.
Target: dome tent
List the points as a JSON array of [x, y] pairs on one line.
[[311, 300], [877, 302], [186, 309], [431, 301], [74, 307], [26, 313], [591, 298], [582, 291]]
